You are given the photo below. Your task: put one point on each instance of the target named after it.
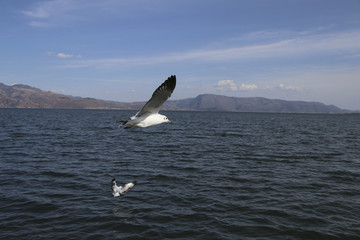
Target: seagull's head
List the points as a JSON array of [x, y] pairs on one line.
[[165, 119]]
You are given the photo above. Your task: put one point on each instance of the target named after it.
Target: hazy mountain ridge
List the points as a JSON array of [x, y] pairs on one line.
[[211, 102], [23, 96]]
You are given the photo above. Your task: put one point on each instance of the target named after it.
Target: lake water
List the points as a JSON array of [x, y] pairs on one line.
[[209, 175]]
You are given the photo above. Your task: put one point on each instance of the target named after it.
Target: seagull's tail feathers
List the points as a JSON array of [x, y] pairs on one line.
[[123, 123]]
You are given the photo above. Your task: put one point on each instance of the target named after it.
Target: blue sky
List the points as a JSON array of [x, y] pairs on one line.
[[123, 50]]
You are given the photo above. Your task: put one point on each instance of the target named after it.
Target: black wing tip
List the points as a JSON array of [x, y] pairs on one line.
[[171, 82], [134, 182], [168, 85], [172, 77], [112, 184]]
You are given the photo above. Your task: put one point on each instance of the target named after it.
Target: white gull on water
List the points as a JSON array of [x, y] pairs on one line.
[[149, 114], [118, 190]]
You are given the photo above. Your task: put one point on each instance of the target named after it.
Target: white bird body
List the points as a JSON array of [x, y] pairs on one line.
[[118, 190], [149, 113], [147, 121]]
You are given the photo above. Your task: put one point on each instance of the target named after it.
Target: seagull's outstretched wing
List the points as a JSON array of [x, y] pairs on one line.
[[128, 186], [161, 94], [117, 190]]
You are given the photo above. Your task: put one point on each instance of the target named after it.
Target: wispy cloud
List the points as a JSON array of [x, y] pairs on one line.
[[54, 12], [39, 24], [39, 12], [346, 43]]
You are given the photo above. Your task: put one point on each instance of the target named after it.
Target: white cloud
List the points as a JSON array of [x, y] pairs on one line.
[[231, 85], [63, 55], [248, 87], [288, 88], [227, 85]]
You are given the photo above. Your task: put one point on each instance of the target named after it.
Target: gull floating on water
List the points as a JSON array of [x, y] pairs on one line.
[[117, 190], [149, 114]]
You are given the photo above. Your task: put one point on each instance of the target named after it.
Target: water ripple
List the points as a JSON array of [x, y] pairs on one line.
[[255, 176]]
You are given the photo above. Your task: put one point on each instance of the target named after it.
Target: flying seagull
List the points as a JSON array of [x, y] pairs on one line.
[[149, 114], [117, 190]]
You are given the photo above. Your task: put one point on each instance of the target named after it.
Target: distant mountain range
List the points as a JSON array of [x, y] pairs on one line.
[[23, 96], [210, 102]]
